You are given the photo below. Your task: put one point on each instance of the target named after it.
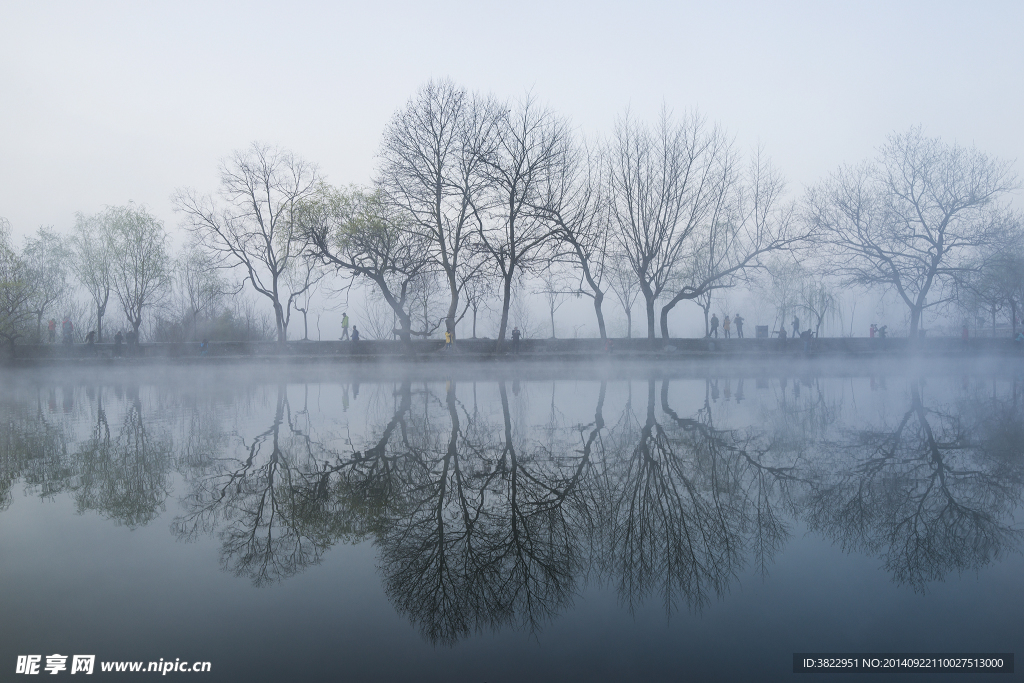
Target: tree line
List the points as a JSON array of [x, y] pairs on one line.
[[472, 195]]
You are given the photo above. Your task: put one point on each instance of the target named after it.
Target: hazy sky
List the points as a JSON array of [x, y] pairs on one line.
[[105, 102]]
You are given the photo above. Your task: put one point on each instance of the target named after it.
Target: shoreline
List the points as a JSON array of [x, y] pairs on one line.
[[533, 349], [536, 358]]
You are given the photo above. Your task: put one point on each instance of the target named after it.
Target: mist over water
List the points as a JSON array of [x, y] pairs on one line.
[[512, 522]]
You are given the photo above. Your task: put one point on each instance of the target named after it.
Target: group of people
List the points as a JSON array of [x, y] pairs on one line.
[[67, 330], [344, 329], [727, 324], [880, 332]]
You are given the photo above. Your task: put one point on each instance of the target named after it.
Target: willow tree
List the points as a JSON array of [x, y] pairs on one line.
[[46, 258], [15, 289], [353, 231], [140, 267], [91, 261]]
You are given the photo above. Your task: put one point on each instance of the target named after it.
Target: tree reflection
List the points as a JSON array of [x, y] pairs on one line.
[[694, 501], [930, 495], [33, 449], [484, 537], [125, 475], [489, 515], [278, 505]]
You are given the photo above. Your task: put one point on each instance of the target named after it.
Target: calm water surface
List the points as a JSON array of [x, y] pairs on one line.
[[508, 527]]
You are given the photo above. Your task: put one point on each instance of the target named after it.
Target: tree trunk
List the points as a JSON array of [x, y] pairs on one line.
[[453, 307], [649, 307], [915, 323], [100, 310], [598, 300], [282, 330], [664, 319], [664, 316], [397, 310], [506, 301], [594, 287]]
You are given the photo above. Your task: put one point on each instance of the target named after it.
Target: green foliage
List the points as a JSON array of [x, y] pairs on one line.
[[15, 290]]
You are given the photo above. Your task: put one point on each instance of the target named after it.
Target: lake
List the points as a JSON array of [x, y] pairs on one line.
[[511, 522]]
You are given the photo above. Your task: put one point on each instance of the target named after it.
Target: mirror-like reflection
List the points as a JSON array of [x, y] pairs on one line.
[[493, 504], [930, 493]]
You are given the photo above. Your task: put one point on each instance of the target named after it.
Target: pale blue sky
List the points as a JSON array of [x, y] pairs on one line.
[[105, 102]]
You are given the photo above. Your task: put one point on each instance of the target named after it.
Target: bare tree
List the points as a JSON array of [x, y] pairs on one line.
[[302, 277], [573, 200], [430, 174], [996, 280], [661, 186], [91, 260], [528, 141], [477, 293], [747, 218], [427, 302], [554, 290], [255, 228], [782, 286], [304, 281], [796, 288], [912, 220], [140, 270], [624, 285]]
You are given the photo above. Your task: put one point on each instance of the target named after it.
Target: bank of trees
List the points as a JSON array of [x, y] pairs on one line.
[[473, 190], [474, 196], [121, 256]]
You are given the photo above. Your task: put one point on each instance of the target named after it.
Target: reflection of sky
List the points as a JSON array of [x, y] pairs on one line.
[[78, 583]]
